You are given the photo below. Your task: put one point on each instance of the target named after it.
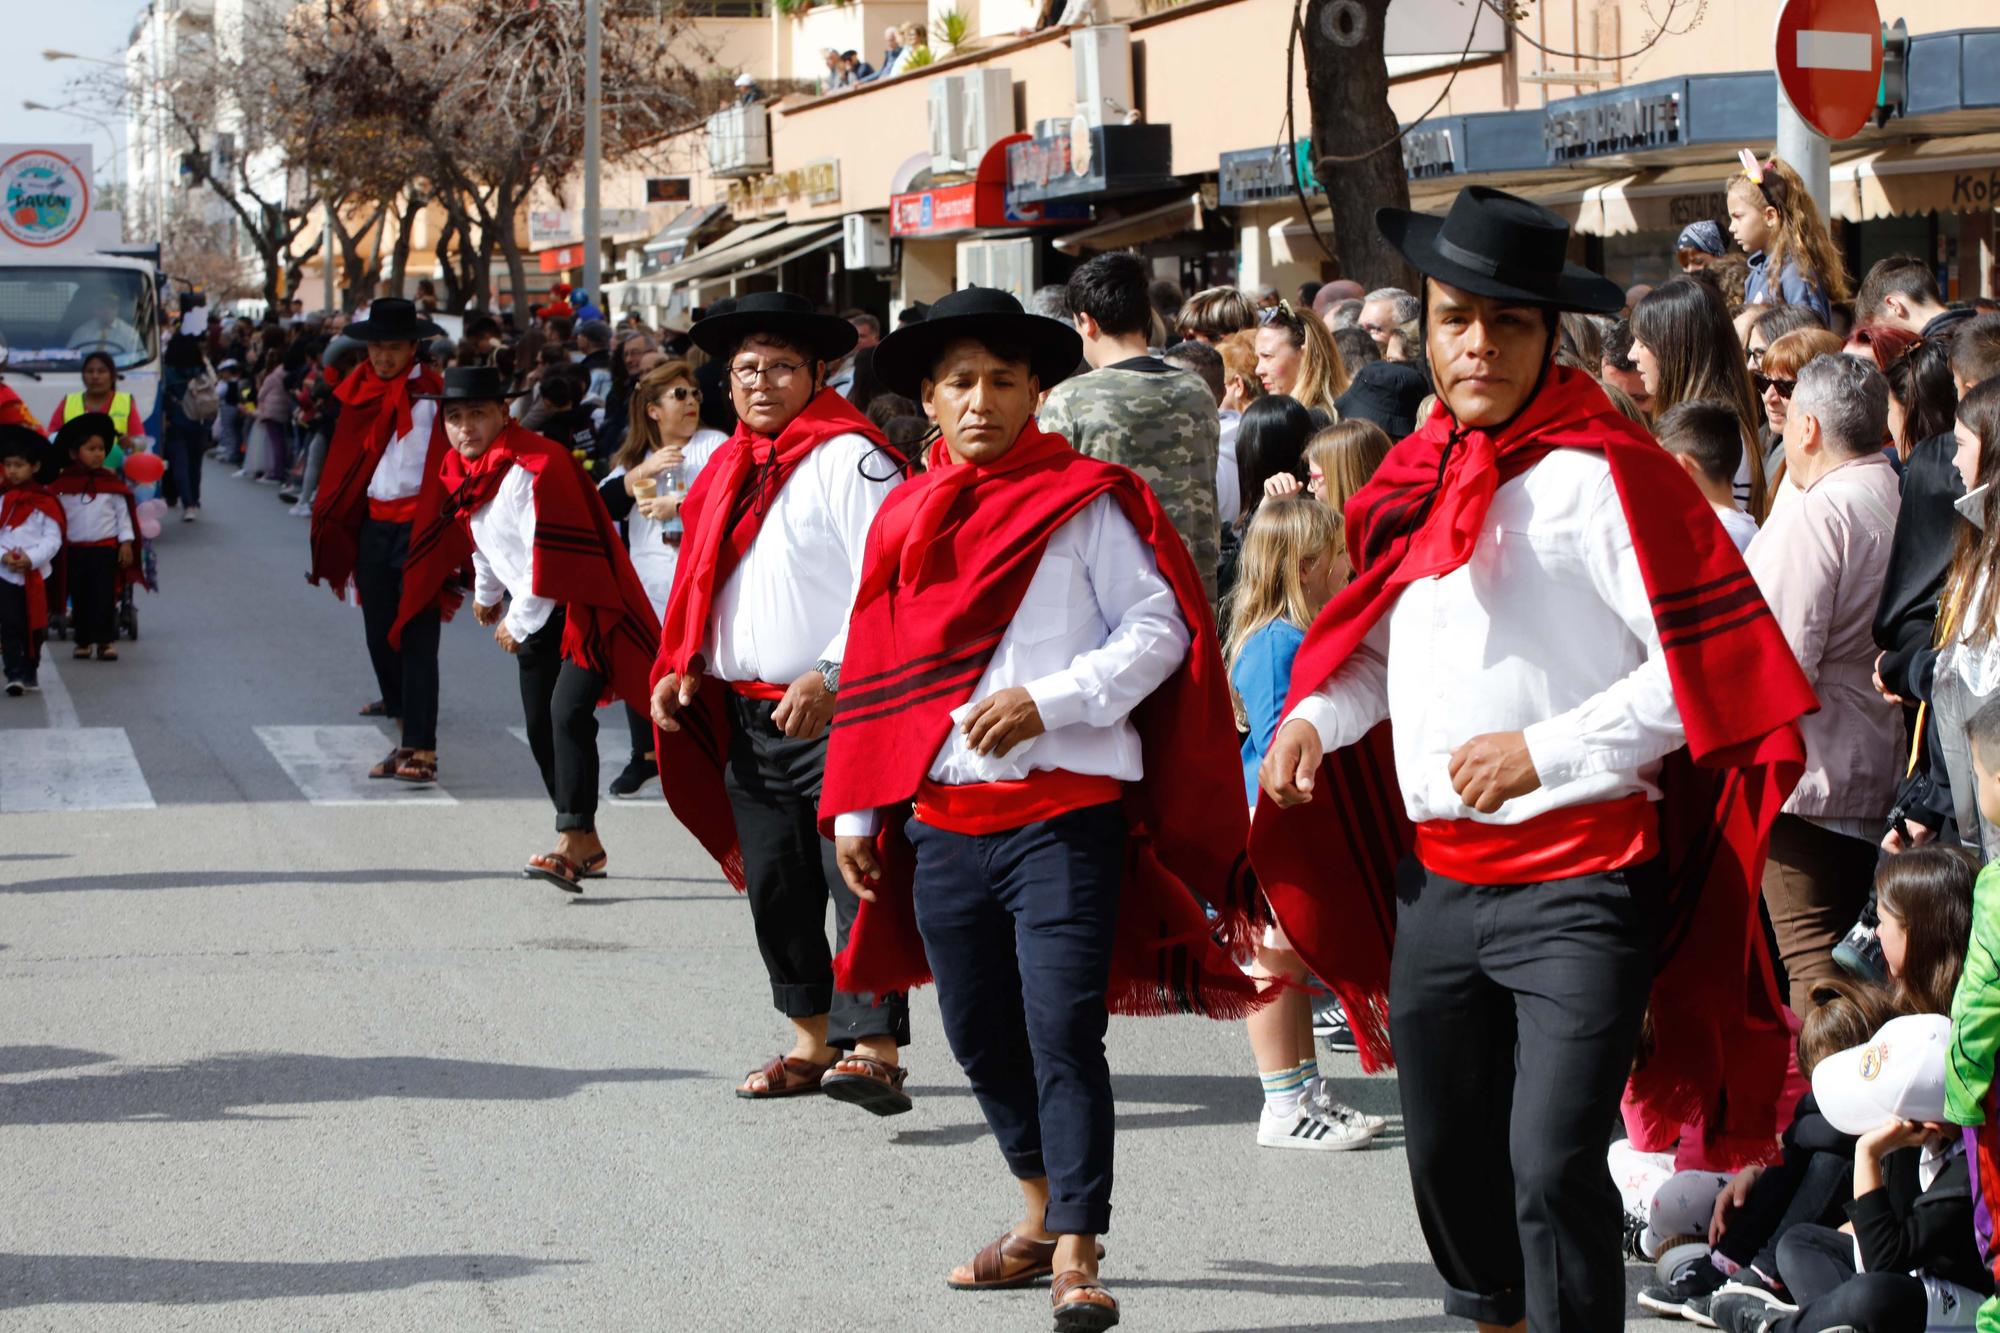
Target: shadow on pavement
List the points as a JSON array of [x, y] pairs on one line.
[[67, 1279], [34, 856], [221, 1086], [201, 879], [1196, 1099], [34, 1059], [1386, 1281]]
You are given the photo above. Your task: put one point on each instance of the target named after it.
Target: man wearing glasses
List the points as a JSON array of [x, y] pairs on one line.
[[748, 668]]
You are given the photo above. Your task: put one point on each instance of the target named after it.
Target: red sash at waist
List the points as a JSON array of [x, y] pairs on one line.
[[393, 511], [100, 543], [975, 808], [1562, 844], [757, 689]]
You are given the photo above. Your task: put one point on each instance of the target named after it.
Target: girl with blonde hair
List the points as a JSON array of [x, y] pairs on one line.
[[1341, 458], [1294, 559], [1296, 356], [1792, 255]]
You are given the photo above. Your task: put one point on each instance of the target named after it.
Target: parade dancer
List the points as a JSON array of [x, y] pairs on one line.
[[578, 624], [748, 668], [382, 471], [1591, 718], [31, 538], [1033, 663]]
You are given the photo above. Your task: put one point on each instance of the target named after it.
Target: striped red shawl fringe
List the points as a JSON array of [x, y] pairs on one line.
[[1328, 866], [948, 561]]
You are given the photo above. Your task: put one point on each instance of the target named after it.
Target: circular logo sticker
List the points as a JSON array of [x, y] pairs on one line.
[[43, 198], [1872, 1061]]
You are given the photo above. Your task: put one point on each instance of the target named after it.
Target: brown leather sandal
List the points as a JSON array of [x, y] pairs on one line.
[[387, 768], [557, 869], [783, 1076], [415, 770], [1082, 1303], [1011, 1261], [871, 1084]]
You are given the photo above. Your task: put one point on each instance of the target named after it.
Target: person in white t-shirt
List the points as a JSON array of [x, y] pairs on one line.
[[1707, 440]]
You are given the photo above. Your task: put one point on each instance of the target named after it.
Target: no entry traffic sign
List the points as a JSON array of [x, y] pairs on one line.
[[1829, 56]]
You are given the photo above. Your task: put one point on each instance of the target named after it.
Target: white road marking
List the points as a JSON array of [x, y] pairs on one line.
[[55, 696], [329, 765], [1823, 49], [614, 743], [72, 768]]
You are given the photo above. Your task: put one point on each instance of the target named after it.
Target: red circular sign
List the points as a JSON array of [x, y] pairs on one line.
[[1829, 55]]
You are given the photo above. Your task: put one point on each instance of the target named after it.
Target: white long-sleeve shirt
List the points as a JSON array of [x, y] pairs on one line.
[[784, 607], [40, 539], [1097, 631], [96, 518], [503, 555], [1546, 630], [400, 473], [653, 557]]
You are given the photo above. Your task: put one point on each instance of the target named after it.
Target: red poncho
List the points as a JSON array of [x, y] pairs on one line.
[[373, 412], [579, 558], [721, 516], [1327, 866], [16, 504], [76, 479], [948, 561]]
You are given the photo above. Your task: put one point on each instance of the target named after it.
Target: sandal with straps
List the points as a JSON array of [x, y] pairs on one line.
[[1082, 1303], [414, 770], [784, 1076], [877, 1086], [387, 768], [1011, 1261], [557, 869]]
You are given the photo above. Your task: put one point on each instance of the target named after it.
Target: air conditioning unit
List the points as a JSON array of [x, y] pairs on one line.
[[864, 241], [739, 140], [969, 111], [1102, 60], [1008, 265]]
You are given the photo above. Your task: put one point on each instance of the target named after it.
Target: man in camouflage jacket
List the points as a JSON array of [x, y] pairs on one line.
[[1135, 409]]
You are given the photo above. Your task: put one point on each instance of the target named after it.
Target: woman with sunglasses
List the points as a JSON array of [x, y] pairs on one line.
[[1779, 374], [664, 449]]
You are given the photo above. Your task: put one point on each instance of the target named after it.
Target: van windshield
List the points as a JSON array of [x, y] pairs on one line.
[[50, 318]]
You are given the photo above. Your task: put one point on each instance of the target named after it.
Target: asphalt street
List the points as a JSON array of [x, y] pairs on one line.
[[279, 1051]]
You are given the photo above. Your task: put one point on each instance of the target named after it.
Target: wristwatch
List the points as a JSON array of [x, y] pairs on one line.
[[830, 673]]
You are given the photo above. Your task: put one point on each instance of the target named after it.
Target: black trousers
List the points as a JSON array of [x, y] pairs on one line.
[[559, 701], [1019, 928], [407, 677], [1816, 1190], [17, 648], [1515, 1014], [1817, 1265], [184, 447], [789, 872], [641, 728], [93, 594]]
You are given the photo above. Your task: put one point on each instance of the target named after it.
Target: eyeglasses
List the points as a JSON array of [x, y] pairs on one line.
[[1754, 357], [779, 373], [1766, 383], [680, 393]]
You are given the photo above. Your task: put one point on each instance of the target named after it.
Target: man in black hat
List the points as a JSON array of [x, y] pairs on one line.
[[1030, 642], [381, 472], [1534, 626], [749, 665]]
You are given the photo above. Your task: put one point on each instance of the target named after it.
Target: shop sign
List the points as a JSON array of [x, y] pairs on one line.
[[1595, 127], [1704, 207], [1261, 175], [1972, 190], [552, 226], [945, 209], [45, 195], [816, 182], [1431, 153], [1077, 158]]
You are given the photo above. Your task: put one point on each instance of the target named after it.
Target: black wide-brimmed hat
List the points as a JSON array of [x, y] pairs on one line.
[[472, 384], [904, 359], [24, 442], [1387, 393], [1499, 245], [391, 319], [780, 314], [80, 428]]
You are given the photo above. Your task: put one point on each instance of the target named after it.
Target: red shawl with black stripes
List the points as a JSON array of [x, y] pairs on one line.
[[948, 561], [722, 515], [1328, 866], [579, 558]]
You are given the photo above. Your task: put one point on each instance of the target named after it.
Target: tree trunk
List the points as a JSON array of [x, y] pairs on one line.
[[447, 269], [399, 257], [1347, 84], [510, 250]]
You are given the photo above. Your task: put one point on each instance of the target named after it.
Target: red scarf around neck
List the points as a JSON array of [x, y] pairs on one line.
[[1328, 866], [76, 479], [17, 503], [720, 518], [579, 559], [949, 560], [373, 412]]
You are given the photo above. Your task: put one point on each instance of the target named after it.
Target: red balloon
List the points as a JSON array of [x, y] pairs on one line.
[[145, 468]]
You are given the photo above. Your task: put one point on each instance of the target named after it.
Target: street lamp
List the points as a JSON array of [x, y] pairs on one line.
[[110, 135], [158, 81]]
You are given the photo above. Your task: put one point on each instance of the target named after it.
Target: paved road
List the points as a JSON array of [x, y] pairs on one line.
[[279, 1051]]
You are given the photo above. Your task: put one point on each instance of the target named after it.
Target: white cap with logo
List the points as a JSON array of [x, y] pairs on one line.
[[1898, 1074]]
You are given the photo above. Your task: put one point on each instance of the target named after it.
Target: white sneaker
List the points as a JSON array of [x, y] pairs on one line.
[[303, 509], [1321, 1102], [1306, 1128]]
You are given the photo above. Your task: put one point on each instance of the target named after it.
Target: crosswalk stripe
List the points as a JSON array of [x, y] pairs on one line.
[[614, 745], [329, 765], [71, 768]]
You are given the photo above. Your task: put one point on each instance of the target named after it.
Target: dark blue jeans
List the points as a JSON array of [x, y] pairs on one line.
[[1019, 927]]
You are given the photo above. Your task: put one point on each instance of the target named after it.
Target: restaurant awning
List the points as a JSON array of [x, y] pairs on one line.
[[778, 249], [720, 255], [675, 236], [1182, 215], [1956, 174]]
